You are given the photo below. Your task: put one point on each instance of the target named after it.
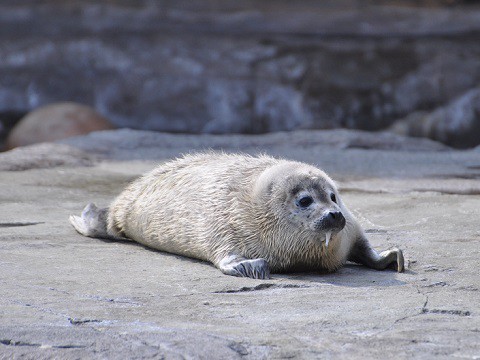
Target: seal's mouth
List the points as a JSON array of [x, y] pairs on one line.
[[330, 222], [328, 231]]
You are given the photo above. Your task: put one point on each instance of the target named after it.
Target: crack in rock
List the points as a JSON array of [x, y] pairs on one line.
[[468, 288], [238, 348], [69, 346], [433, 268], [446, 312], [10, 342], [262, 287], [440, 283], [424, 307], [19, 224], [113, 300], [75, 321], [422, 311]]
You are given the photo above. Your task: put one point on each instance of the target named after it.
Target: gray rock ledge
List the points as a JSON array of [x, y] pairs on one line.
[[66, 296]]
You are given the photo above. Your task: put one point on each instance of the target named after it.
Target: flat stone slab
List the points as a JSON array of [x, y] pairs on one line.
[[66, 296]]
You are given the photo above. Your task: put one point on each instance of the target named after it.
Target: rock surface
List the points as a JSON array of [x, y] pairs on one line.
[[244, 67], [54, 122], [43, 156], [67, 296], [457, 124]]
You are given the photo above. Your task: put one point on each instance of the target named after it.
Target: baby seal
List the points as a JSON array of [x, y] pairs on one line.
[[249, 216]]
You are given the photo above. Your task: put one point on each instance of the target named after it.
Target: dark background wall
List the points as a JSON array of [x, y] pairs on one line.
[[248, 66]]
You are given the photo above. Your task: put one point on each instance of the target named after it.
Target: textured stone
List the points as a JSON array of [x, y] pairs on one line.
[[70, 297], [55, 122], [228, 66], [127, 144], [457, 124], [46, 155]]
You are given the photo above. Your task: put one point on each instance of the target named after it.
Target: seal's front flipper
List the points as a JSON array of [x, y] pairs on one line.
[[363, 253], [239, 266], [92, 222]]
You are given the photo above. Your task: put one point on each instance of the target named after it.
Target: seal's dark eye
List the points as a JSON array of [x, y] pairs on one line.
[[333, 198], [305, 201]]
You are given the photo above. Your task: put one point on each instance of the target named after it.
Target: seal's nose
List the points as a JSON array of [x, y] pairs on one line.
[[335, 220]]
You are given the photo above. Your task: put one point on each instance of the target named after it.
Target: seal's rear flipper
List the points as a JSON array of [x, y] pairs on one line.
[[92, 222]]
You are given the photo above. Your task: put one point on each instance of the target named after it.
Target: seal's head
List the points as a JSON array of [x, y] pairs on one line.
[[306, 198]]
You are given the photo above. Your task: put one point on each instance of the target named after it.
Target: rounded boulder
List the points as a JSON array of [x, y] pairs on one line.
[[54, 122]]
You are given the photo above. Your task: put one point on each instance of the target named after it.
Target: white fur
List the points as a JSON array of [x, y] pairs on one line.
[[209, 206]]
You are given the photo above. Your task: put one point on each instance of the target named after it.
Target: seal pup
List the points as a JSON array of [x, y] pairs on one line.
[[249, 216]]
